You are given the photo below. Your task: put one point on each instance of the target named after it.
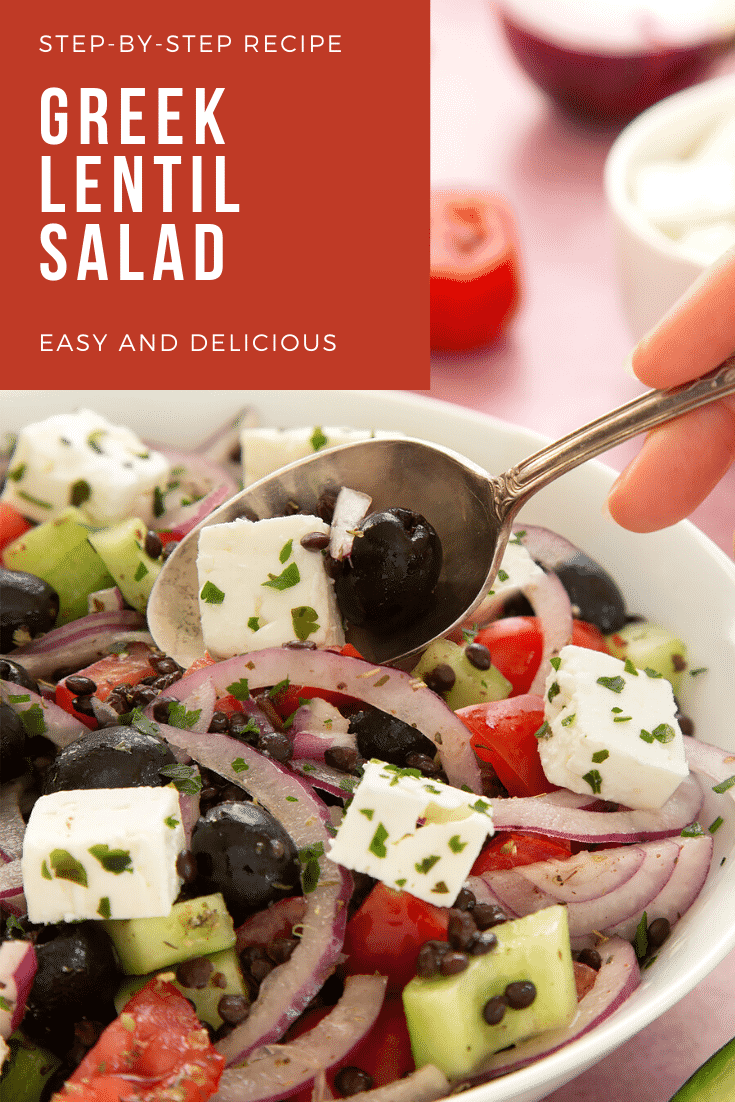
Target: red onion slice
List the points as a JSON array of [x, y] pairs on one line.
[[616, 980], [318, 727], [275, 921], [12, 826], [426, 1084], [679, 891], [350, 508], [542, 816], [289, 988], [325, 777], [585, 875], [652, 864], [711, 761], [11, 881], [202, 479], [17, 969], [52, 721], [390, 690], [550, 602], [80, 642], [277, 1071]]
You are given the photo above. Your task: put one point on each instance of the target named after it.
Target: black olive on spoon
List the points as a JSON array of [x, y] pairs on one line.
[[471, 511]]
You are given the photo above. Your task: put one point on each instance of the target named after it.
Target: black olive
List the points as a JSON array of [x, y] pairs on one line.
[[113, 757], [382, 736], [27, 605], [594, 595], [242, 851], [77, 978], [13, 741], [15, 673], [392, 571]]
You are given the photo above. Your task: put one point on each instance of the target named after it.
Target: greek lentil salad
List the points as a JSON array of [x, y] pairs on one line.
[[352, 852]]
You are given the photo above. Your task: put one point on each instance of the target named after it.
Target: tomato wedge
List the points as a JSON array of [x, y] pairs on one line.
[[384, 1053], [12, 524], [503, 733], [387, 931], [157, 1049], [475, 269], [508, 849], [516, 644], [127, 668]]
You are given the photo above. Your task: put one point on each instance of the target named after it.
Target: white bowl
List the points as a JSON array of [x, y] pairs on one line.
[[676, 577], [653, 270]]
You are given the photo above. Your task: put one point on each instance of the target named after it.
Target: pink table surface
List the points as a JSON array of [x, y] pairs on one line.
[[561, 364]]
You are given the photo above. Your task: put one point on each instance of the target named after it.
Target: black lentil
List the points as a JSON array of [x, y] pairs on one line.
[[486, 915], [520, 994], [453, 962], [441, 679], [153, 546], [478, 656], [161, 708], [233, 1008], [315, 541], [194, 972], [591, 958], [465, 901], [81, 686], [494, 1010], [186, 866], [352, 1080], [658, 931]]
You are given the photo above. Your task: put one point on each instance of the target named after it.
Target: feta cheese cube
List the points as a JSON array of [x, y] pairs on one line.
[[612, 730], [259, 587], [102, 853], [419, 835], [82, 459], [264, 450]]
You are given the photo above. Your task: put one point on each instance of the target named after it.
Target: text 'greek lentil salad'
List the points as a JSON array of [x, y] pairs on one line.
[[285, 871]]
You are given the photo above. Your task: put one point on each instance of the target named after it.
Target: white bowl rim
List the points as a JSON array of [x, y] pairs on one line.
[[634, 137]]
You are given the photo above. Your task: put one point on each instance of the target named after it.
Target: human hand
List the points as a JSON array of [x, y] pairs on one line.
[[682, 461]]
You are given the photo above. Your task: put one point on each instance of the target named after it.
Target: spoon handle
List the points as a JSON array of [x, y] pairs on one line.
[[639, 415]]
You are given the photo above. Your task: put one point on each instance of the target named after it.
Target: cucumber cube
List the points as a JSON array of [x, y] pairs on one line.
[[445, 1013], [122, 548], [651, 647], [194, 928], [471, 685], [224, 979]]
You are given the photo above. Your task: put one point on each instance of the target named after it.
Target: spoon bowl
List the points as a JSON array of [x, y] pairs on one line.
[[472, 513]]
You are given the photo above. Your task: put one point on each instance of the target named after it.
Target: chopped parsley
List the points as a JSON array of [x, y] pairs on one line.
[[141, 572], [112, 860], [103, 910], [211, 594], [555, 662], [456, 845], [67, 867], [305, 621], [554, 690], [254, 623], [377, 843], [614, 684], [368, 812], [179, 716], [239, 689], [309, 858], [185, 777], [640, 941], [630, 668], [723, 786], [544, 731], [33, 720], [80, 492], [286, 579], [171, 821], [239, 765], [16, 473], [427, 864], [594, 780], [285, 553], [318, 439], [600, 755], [694, 830]]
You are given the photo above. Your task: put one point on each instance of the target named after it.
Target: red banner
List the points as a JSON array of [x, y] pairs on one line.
[[218, 195]]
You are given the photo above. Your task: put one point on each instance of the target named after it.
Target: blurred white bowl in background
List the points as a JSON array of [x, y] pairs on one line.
[[656, 265]]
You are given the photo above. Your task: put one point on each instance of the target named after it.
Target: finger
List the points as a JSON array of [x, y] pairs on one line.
[[696, 335], [679, 464]]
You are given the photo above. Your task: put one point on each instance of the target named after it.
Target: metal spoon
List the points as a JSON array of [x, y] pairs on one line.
[[471, 511]]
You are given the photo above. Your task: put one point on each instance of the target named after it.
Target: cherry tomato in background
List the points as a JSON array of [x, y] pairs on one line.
[[475, 269], [386, 932]]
